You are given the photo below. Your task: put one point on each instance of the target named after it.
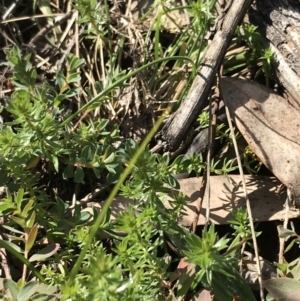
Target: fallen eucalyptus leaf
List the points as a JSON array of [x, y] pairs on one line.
[[270, 125]]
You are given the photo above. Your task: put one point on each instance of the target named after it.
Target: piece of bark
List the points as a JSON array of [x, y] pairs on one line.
[[226, 195], [279, 22], [177, 126]]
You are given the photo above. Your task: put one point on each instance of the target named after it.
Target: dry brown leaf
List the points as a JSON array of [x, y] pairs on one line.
[[226, 195], [270, 125], [202, 295]]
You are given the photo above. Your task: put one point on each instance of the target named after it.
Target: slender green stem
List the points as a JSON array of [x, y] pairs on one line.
[[113, 193], [25, 261]]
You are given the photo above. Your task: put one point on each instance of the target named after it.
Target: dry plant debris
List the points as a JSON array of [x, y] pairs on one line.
[[266, 196], [51, 30], [270, 125]]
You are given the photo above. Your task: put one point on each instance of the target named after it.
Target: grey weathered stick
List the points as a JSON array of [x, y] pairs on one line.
[[279, 21], [174, 131]]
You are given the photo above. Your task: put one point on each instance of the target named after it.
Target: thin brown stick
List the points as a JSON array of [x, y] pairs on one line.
[[4, 263], [3, 256], [285, 224], [174, 131], [212, 135], [200, 202], [48, 28], [26, 253], [247, 202], [207, 213], [205, 181]]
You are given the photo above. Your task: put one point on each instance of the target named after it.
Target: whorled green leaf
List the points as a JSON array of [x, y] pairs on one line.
[[27, 291], [72, 92], [79, 175], [227, 288], [12, 287], [19, 198], [114, 176], [13, 229], [285, 233], [44, 297], [109, 155], [58, 99], [31, 221], [14, 246], [101, 124], [20, 283], [33, 162], [46, 289], [19, 221], [10, 249], [295, 269], [27, 208], [74, 61], [73, 77], [60, 207], [290, 245], [173, 182], [97, 173], [68, 172], [86, 153], [61, 82], [6, 208], [111, 168], [55, 162], [31, 237], [84, 216]]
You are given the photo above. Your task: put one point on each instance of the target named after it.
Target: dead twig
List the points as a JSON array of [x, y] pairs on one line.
[[248, 206], [11, 9], [285, 224], [49, 27], [205, 181], [212, 135], [174, 131], [200, 200], [3, 256]]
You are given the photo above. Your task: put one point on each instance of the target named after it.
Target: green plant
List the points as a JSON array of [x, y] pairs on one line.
[[59, 142], [144, 228], [24, 217], [35, 144], [285, 287], [36, 133], [287, 269], [216, 272], [254, 55], [259, 55], [46, 143], [223, 134], [22, 291]]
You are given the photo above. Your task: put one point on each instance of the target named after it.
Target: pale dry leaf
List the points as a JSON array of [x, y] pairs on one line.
[[203, 295], [270, 125], [226, 195]]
